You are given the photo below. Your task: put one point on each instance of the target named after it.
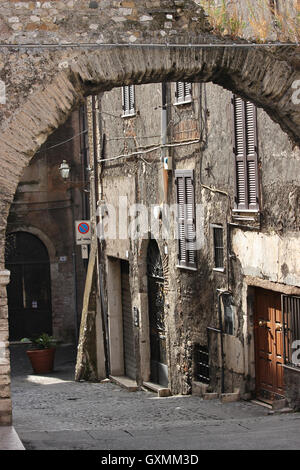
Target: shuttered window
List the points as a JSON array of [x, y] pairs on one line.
[[185, 199], [128, 100], [245, 150], [183, 92]]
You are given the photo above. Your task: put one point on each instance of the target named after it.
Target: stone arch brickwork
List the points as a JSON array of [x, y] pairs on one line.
[[255, 74]]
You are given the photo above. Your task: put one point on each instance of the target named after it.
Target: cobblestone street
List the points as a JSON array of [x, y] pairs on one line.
[[55, 413]]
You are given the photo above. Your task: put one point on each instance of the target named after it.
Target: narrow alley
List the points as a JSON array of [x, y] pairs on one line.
[[52, 412]]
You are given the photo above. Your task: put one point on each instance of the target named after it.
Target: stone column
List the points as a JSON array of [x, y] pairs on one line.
[[5, 397]]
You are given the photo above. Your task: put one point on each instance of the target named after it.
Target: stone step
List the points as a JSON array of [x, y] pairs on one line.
[[159, 389], [125, 382]]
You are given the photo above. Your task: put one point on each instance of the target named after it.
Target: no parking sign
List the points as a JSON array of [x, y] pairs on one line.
[[83, 232]]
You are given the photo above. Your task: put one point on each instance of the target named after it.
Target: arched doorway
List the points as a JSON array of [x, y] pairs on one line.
[[156, 300], [29, 290]]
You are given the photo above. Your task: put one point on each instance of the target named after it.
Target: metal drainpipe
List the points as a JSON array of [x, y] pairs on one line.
[[74, 266], [164, 151], [221, 340]]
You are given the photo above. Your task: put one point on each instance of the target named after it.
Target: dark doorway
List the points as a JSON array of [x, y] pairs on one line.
[[29, 291], [156, 299]]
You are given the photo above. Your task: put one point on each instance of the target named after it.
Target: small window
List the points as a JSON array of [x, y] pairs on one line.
[[201, 361], [218, 247], [128, 100], [291, 329], [183, 92]]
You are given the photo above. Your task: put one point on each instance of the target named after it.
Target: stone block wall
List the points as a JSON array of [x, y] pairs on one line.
[[5, 400]]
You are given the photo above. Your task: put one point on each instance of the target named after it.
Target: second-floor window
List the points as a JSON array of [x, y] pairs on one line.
[[183, 93], [245, 150], [128, 100]]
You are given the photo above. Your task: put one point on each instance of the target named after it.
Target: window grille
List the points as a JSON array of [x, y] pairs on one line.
[[291, 329]]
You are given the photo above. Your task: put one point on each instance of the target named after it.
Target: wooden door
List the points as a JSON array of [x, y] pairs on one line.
[[268, 345]]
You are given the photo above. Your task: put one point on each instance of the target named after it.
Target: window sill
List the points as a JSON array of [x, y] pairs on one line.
[[129, 115], [246, 211], [178, 103], [290, 367], [189, 268], [219, 270]]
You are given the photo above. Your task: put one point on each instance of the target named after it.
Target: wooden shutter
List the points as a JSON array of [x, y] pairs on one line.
[[183, 92], [245, 150], [128, 98], [186, 218]]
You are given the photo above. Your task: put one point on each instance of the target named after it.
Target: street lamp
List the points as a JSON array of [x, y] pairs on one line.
[[64, 170]]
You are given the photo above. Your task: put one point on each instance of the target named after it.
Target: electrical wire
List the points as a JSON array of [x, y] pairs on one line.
[[63, 142], [152, 149]]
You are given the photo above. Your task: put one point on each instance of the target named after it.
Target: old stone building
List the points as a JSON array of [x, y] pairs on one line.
[[55, 54], [194, 313]]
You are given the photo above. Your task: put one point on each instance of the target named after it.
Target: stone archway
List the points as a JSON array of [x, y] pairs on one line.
[[261, 75]]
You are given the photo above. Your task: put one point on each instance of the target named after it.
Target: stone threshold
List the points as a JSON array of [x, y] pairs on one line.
[[9, 439], [159, 389], [280, 406], [125, 382]]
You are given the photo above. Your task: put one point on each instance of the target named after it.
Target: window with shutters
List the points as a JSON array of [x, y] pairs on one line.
[[186, 223], [128, 100], [245, 150], [183, 93]]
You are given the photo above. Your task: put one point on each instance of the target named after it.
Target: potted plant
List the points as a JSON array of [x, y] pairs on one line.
[[41, 353]]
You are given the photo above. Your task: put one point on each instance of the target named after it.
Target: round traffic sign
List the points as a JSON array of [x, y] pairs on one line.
[[83, 228]]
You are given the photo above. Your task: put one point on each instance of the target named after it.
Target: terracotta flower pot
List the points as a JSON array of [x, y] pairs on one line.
[[42, 360]]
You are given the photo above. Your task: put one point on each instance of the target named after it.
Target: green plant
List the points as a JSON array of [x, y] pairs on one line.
[[44, 341]]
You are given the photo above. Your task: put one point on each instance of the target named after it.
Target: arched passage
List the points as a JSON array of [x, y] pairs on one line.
[[258, 74]]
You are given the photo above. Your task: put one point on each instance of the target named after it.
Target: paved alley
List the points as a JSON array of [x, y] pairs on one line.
[[54, 412]]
